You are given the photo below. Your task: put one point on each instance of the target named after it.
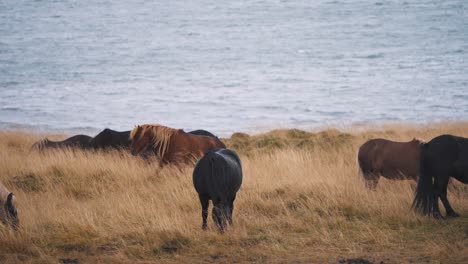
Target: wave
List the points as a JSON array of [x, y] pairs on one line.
[[11, 108]]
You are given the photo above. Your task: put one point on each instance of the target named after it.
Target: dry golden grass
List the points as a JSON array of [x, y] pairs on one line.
[[302, 200]]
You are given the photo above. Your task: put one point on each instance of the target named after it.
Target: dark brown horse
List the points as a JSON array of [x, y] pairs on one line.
[[390, 159], [172, 146], [78, 141]]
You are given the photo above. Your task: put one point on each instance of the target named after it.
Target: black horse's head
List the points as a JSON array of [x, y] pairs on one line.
[[10, 215]]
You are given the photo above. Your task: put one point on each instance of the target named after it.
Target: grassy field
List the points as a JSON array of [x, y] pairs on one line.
[[302, 201]]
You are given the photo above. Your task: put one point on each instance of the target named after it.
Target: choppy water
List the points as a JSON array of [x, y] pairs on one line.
[[231, 65]]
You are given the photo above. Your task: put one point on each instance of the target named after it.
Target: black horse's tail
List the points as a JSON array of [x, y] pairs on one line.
[[423, 200], [217, 172], [219, 188]]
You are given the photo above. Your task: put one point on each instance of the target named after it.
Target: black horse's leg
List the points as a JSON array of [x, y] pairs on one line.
[[435, 199], [204, 200], [443, 197], [218, 217], [218, 214], [231, 209]]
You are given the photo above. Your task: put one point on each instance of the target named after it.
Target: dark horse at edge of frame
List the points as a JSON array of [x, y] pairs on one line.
[[8, 210], [217, 176], [443, 157]]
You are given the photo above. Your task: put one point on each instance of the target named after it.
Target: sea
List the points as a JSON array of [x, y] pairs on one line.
[[226, 66]]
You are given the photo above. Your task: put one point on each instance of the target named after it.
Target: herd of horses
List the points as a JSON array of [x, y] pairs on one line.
[[217, 174]]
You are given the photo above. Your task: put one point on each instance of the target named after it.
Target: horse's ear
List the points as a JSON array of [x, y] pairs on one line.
[[420, 140]]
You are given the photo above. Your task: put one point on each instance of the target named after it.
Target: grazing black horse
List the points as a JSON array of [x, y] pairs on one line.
[[441, 158], [78, 141], [109, 138], [217, 177], [201, 132]]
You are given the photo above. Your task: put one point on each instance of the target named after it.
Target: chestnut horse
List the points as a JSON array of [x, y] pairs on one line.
[[172, 146], [390, 159]]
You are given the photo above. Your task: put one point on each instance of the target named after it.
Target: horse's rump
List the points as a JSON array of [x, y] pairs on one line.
[[218, 173], [201, 132]]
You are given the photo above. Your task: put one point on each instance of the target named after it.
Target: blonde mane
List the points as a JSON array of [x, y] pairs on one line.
[[161, 136]]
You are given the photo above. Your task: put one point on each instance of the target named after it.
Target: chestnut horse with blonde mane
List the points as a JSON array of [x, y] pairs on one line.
[[172, 146]]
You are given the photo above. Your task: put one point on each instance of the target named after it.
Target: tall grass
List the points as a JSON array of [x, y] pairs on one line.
[[302, 200]]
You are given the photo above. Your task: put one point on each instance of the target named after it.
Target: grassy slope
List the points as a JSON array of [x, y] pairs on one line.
[[302, 200]]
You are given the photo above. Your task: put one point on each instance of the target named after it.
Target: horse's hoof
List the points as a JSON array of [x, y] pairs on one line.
[[437, 216], [452, 215]]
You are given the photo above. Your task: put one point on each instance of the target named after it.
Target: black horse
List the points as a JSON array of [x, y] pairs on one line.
[[201, 132], [109, 138], [78, 141], [441, 158], [217, 177]]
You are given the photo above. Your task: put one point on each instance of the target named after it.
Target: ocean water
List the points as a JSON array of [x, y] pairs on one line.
[[226, 66]]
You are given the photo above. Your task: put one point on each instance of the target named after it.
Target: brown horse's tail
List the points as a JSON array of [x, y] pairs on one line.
[[362, 164], [366, 169], [358, 164], [424, 196]]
